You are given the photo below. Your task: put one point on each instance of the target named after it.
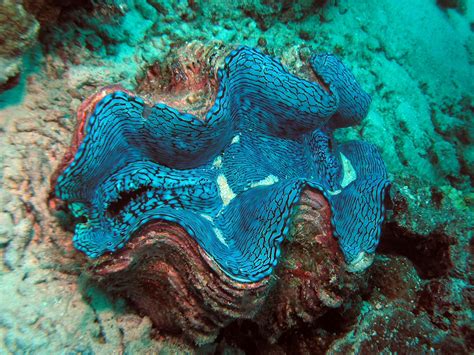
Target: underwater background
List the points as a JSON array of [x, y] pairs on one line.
[[414, 58]]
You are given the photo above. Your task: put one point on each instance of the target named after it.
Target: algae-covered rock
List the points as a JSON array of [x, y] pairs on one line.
[[9, 72], [395, 330], [468, 157], [18, 29], [18, 32], [446, 159]]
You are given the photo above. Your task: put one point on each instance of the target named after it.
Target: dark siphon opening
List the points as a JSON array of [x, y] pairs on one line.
[[124, 199]]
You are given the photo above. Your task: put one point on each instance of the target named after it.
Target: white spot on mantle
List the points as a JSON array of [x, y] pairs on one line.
[[217, 163], [269, 180], [220, 236], [236, 139], [348, 171], [225, 191]]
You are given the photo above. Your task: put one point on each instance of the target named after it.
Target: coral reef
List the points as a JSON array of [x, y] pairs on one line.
[[415, 60]]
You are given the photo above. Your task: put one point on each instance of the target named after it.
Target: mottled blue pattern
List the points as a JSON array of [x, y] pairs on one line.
[[231, 180]]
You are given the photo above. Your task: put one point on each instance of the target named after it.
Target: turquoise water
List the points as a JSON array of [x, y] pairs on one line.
[[413, 294]]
